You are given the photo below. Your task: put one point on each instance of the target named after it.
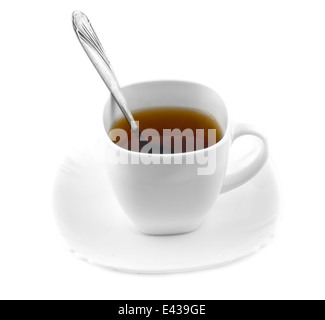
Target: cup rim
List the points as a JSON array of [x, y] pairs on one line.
[[174, 155]]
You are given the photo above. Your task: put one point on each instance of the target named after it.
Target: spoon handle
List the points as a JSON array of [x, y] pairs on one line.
[[95, 51]]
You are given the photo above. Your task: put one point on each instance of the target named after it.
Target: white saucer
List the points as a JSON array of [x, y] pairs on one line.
[[96, 230]]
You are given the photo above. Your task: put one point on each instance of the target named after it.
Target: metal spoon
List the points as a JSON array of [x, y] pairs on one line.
[[95, 51]]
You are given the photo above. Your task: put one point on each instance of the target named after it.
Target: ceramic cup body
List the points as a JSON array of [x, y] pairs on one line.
[[172, 194]]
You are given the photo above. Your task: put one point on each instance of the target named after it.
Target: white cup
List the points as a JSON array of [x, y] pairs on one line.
[[172, 194]]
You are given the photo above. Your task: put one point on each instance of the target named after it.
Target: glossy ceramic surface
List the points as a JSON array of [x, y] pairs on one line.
[[173, 197], [96, 229]]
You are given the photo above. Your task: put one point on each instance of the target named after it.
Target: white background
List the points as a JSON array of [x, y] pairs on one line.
[[265, 58]]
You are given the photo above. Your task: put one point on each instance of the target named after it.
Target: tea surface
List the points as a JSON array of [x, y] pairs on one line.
[[180, 130]]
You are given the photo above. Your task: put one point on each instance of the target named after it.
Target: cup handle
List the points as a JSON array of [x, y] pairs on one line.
[[242, 176]]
